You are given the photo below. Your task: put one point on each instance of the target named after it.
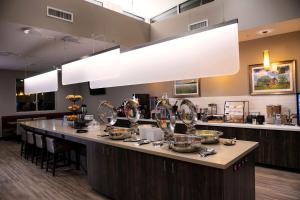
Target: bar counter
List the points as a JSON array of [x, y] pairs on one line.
[[119, 163]]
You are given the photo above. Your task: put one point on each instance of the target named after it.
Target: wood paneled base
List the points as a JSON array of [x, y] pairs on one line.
[[130, 175]]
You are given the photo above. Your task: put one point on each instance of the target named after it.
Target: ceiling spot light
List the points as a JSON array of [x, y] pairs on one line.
[[26, 30], [264, 32]]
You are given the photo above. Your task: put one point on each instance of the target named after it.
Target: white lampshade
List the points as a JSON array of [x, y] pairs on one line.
[[97, 67], [47, 82], [214, 52]]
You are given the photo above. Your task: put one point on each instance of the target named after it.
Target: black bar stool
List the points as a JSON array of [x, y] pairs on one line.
[[40, 147], [54, 148], [24, 144], [31, 144]]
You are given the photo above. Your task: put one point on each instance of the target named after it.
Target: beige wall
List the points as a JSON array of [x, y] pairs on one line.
[[118, 94], [282, 47], [250, 13], [88, 19]]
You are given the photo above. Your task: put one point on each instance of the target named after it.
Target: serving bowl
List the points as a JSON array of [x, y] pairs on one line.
[[208, 136], [185, 143], [119, 133]]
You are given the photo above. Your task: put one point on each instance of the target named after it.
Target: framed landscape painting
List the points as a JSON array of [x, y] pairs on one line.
[[280, 79], [186, 88]]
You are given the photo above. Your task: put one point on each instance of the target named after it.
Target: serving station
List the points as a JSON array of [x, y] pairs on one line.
[[125, 170], [195, 165]]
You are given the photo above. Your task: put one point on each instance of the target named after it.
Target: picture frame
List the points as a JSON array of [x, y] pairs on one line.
[[280, 79], [187, 88]]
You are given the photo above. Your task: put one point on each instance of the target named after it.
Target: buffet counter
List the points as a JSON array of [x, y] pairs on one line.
[[122, 170], [223, 159]]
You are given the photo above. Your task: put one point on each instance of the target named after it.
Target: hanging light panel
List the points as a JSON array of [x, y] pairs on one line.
[[266, 56], [102, 66], [47, 82], [213, 52]]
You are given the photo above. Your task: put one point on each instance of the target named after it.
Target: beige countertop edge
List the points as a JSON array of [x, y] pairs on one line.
[[154, 151], [237, 125], [176, 156]]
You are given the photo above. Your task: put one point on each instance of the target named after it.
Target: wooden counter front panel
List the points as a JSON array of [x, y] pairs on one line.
[[129, 175], [276, 148]]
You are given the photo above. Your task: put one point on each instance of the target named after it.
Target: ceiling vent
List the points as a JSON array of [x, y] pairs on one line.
[[198, 25], [59, 14], [71, 39], [7, 53]]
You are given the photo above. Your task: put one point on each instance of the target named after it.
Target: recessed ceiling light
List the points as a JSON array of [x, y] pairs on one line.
[[26, 30], [83, 57], [264, 32]]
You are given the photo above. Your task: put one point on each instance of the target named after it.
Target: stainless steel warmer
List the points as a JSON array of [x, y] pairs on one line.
[[165, 118], [188, 115], [107, 114], [132, 112]]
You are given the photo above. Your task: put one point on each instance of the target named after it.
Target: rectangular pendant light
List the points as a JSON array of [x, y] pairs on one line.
[[102, 66], [211, 52], [47, 82]]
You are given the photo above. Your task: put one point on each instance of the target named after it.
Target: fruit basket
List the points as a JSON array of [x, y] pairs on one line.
[[74, 98], [74, 107]]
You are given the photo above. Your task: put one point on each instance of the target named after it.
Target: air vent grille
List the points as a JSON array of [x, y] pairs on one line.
[[59, 14], [198, 25]]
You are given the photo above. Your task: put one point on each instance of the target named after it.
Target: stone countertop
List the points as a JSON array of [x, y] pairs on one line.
[[225, 157]]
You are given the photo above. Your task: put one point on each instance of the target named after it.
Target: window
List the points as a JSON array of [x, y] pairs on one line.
[[206, 1], [129, 14], [164, 15], [189, 5], [33, 102], [96, 2], [192, 4]]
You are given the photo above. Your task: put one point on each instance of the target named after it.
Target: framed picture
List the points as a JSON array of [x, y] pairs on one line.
[[186, 88], [280, 79]]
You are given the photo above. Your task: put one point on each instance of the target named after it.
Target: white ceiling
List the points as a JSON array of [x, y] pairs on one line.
[[41, 49], [143, 8]]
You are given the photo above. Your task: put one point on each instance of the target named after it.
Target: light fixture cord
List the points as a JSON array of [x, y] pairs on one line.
[[65, 51], [25, 70], [25, 74], [93, 43], [223, 8]]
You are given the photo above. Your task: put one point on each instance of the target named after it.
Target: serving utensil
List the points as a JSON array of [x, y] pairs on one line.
[[204, 151], [229, 142]]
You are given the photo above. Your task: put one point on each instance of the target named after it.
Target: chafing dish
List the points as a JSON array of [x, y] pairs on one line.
[[119, 133], [132, 112], [208, 136], [188, 115], [185, 143], [165, 118], [107, 114]]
